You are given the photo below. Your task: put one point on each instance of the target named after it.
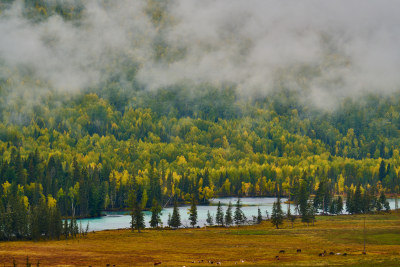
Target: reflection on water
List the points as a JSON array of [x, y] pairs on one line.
[[117, 220]]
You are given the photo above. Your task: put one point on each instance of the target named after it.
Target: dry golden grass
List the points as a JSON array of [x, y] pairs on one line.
[[255, 245]]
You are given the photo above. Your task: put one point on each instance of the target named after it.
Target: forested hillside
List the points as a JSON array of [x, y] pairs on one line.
[[87, 150]]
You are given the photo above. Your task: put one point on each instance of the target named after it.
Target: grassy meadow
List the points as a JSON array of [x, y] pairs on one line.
[[256, 245]]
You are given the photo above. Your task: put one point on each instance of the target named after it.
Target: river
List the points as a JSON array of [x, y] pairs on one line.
[[117, 220]]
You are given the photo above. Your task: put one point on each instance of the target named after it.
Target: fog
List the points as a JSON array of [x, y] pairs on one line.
[[325, 50]]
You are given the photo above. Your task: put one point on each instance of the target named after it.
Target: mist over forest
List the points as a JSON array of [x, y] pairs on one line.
[[103, 100]]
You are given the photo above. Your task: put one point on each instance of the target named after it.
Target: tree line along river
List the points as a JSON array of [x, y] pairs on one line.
[[118, 220]]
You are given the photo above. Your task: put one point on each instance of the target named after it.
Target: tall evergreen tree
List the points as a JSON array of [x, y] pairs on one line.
[[176, 217], [219, 217], [239, 216], [259, 216], [137, 216], [339, 207], [155, 214], [228, 215], [193, 213], [383, 201], [349, 202], [209, 219], [357, 200], [277, 214], [303, 198], [290, 217]]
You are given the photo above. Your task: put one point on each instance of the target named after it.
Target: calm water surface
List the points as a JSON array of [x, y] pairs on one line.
[[117, 220]]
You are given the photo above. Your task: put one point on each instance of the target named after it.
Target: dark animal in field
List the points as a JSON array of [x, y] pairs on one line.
[[282, 251], [157, 263], [277, 258], [321, 254], [344, 254], [107, 264], [364, 253], [331, 253], [298, 250]]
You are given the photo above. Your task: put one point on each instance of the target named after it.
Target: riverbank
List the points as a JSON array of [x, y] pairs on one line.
[[256, 245]]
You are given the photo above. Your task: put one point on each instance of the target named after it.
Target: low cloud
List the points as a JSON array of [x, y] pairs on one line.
[[326, 50]]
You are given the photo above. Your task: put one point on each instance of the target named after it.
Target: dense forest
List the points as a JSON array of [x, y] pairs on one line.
[[79, 153]]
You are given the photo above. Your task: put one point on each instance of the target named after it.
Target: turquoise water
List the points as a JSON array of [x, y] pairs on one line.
[[118, 220]]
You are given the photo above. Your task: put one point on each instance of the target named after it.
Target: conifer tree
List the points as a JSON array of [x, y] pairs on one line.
[[259, 216], [290, 216], [176, 217], [303, 199], [357, 200], [219, 217], [137, 221], [65, 229], [155, 214], [228, 215], [349, 202], [339, 206], [169, 222], [383, 201], [193, 213], [209, 219], [277, 214], [239, 216]]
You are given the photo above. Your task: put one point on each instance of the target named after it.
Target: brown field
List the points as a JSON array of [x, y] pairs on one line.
[[255, 245]]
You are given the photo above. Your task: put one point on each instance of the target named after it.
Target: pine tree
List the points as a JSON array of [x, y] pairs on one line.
[[155, 214], [228, 215], [350, 202], [169, 222], [277, 214], [383, 201], [339, 206], [259, 216], [65, 229], [137, 221], [239, 217], [382, 170], [290, 217], [303, 199], [357, 200], [193, 213], [333, 206], [219, 217], [209, 219], [176, 217]]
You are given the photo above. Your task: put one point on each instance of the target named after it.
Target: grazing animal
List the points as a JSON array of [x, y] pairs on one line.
[[344, 254], [108, 264], [282, 251], [364, 253], [277, 258], [321, 254], [157, 263], [338, 254], [299, 250], [241, 261], [218, 263], [331, 253]]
